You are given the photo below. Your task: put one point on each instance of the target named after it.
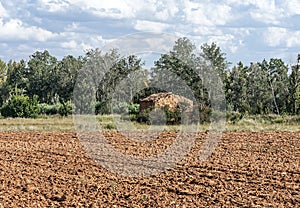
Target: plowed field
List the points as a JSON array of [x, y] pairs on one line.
[[245, 170]]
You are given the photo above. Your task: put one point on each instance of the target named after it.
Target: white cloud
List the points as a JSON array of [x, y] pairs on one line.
[[69, 45], [234, 24], [243, 31], [116, 9], [72, 27], [54, 5], [165, 11], [207, 14], [149, 26], [14, 29], [204, 30], [3, 12], [292, 7], [276, 36], [24, 47], [269, 11], [77, 43], [221, 40]]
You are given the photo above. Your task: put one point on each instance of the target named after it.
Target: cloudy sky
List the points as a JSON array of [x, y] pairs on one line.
[[246, 30]]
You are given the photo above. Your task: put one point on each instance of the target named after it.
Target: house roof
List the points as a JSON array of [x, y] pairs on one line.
[[157, 96]]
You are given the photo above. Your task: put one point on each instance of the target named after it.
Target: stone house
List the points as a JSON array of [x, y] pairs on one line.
[[160, 100]]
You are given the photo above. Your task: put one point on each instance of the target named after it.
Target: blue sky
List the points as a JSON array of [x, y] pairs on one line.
[[246, 30]]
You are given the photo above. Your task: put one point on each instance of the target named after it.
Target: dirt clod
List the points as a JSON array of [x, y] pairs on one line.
[[245, 170]]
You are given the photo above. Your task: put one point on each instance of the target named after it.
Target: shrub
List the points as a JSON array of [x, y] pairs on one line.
[[143, 116], [234, 117], [110, 126], [20, 105], [170, 117], [65, 109], [129, 117], [279, 120], [125, 108], [47, 109], [204, 114], [120, 108], [173, 117], [102, 107], [134, 108], [54, 109], [158, 117]]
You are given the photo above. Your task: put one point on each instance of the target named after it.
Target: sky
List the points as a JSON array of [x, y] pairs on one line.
[[246, 30]]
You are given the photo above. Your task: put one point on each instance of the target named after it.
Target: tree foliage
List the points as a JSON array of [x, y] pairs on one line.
[[269, 86], [19, 105]]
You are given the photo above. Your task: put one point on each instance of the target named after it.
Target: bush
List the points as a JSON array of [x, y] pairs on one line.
[[125, 108], [143, 116], [158, 117], [279, 120], [47, 109], [134, 109], [54, 109], [65, 109], [204, 114], [102, 108], [129, 117], [20, 105], [120, 108], [234, 117], [110, 126], [171, 117]]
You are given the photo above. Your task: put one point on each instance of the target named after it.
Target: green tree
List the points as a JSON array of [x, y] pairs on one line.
[[3, 76], [131, 88], [278, 81], [236, 89], [42, 76], [67, 73], [258, 89], [215, 58], [15, 77], [121, 70], [95, 66], [178, 68], [3, 72], [294, 89], [100, 76], [20, 105]]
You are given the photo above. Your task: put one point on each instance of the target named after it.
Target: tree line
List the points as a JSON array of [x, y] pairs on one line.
[[45, 85]]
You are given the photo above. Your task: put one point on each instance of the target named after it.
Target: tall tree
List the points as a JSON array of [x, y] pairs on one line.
[[294, 89], [3, 75], [42, 76], [16, 77], [175, 71], [215, 58], [119, 70], [278, 81], [3, 72], [258, 89], [236, 92], [99, 77], [67, 73]]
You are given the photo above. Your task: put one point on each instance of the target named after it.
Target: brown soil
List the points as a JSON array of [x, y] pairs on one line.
[[246, 170]]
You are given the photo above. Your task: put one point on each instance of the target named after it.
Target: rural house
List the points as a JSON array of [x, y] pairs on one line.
[[160, 100]]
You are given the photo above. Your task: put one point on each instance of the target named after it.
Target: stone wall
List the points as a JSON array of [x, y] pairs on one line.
[[160, 100]]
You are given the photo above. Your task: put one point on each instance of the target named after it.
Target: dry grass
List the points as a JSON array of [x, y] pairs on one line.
[[66, 124]]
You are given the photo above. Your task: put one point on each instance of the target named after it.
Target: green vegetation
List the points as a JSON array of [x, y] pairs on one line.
[[19, 105], [45, 85], [256, 123]]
